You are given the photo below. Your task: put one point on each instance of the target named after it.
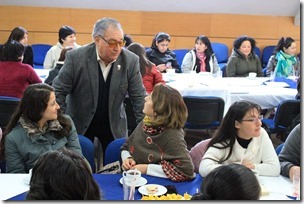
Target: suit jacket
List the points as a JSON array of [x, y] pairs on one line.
[[77, 84]]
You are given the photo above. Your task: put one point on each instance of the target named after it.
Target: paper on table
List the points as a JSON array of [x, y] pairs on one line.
[[277, 84]]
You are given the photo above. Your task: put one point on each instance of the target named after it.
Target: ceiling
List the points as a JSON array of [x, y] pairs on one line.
[[250, 7]]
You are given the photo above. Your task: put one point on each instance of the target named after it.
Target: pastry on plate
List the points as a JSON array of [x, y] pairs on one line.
[[151, 189]]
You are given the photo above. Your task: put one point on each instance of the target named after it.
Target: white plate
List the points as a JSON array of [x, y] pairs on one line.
[[161, 190], [142, 181]]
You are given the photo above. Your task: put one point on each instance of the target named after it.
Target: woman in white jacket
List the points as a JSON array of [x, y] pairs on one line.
[[201, 58], [241, 139]]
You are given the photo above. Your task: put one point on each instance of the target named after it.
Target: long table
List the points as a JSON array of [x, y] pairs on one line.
[[231, 89], [15, 187]]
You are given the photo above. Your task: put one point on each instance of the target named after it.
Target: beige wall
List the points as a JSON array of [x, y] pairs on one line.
[[43, 25]]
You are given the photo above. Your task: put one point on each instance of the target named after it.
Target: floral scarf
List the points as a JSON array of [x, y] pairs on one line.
[[284, 67], [149, 128]]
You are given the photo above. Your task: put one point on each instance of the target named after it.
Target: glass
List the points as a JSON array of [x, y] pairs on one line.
[[272, 76], [253, 120], [128, 191], [114, 43], [296, 183]]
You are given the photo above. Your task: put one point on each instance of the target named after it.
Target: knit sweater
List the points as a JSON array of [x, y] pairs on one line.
[[166, 153], [15, 77], [259, 152]]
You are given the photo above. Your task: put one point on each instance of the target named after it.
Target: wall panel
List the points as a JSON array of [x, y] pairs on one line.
[[43, 25]]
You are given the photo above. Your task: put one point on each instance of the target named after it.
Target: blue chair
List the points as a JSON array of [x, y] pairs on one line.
[[204, 112], [39, 51], [279, 148], [180, 54], [221, 53], [257, 51], [112, 152], [286, 111], [87, 148], [7, 108], [267, 52]]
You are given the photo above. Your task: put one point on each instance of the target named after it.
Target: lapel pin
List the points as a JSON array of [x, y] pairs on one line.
[[118, 67]]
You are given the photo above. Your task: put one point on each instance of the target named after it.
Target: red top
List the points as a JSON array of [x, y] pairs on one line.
[[152, 78], [15, 77]]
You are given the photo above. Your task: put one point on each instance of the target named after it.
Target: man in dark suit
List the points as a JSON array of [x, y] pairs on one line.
[[94, 81]]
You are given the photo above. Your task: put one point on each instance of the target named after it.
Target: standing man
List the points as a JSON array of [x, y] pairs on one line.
[[94, 81]]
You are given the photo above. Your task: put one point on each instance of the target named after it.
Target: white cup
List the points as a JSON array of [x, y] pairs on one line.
[[170, 71], [252, 74], [132, 175]]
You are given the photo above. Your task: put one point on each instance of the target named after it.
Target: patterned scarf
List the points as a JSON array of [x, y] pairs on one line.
[[285, 64], [201, 56], [149, 128]]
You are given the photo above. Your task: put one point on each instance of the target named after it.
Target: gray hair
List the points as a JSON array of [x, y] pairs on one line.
[[103, 24]]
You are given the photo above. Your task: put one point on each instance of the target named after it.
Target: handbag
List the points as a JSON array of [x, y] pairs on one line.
[[111, 168]]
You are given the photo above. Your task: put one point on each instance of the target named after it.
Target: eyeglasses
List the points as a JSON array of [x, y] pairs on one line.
[[254, 120], [114, 43]]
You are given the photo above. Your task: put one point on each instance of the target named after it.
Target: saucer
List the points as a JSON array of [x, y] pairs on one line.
[[142, 181]]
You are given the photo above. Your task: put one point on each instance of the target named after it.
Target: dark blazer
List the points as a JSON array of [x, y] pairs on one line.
[[77, 85]]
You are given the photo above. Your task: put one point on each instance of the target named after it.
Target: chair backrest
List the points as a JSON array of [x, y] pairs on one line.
[[197, 152], [87, 148], [7, 108], [112, 152], [221, 52], [39, 51], [204, 112], [132, 124], [180, 54], [287, 110], [257, 51], [279, 148], [266, 54]]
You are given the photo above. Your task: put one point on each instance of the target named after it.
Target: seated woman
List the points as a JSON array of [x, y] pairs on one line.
[[15, 75], [243, 59], [66, 38], [161, 55], [241, 139], [54, 72], [37, 126], [20, 35], [62, 175], [157, 146], [150, 74], [201, 58], [284, 61], [229, 182]]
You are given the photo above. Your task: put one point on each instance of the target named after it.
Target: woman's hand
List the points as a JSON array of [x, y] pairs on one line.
[[248, 165], [161, 67], [141, 167], [128, 163]]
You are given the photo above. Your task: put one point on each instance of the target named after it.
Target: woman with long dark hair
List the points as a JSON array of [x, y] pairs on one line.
[[36, 127]]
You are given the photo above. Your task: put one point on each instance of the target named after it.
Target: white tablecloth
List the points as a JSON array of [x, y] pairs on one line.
[[13, 184], [231, 89]]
